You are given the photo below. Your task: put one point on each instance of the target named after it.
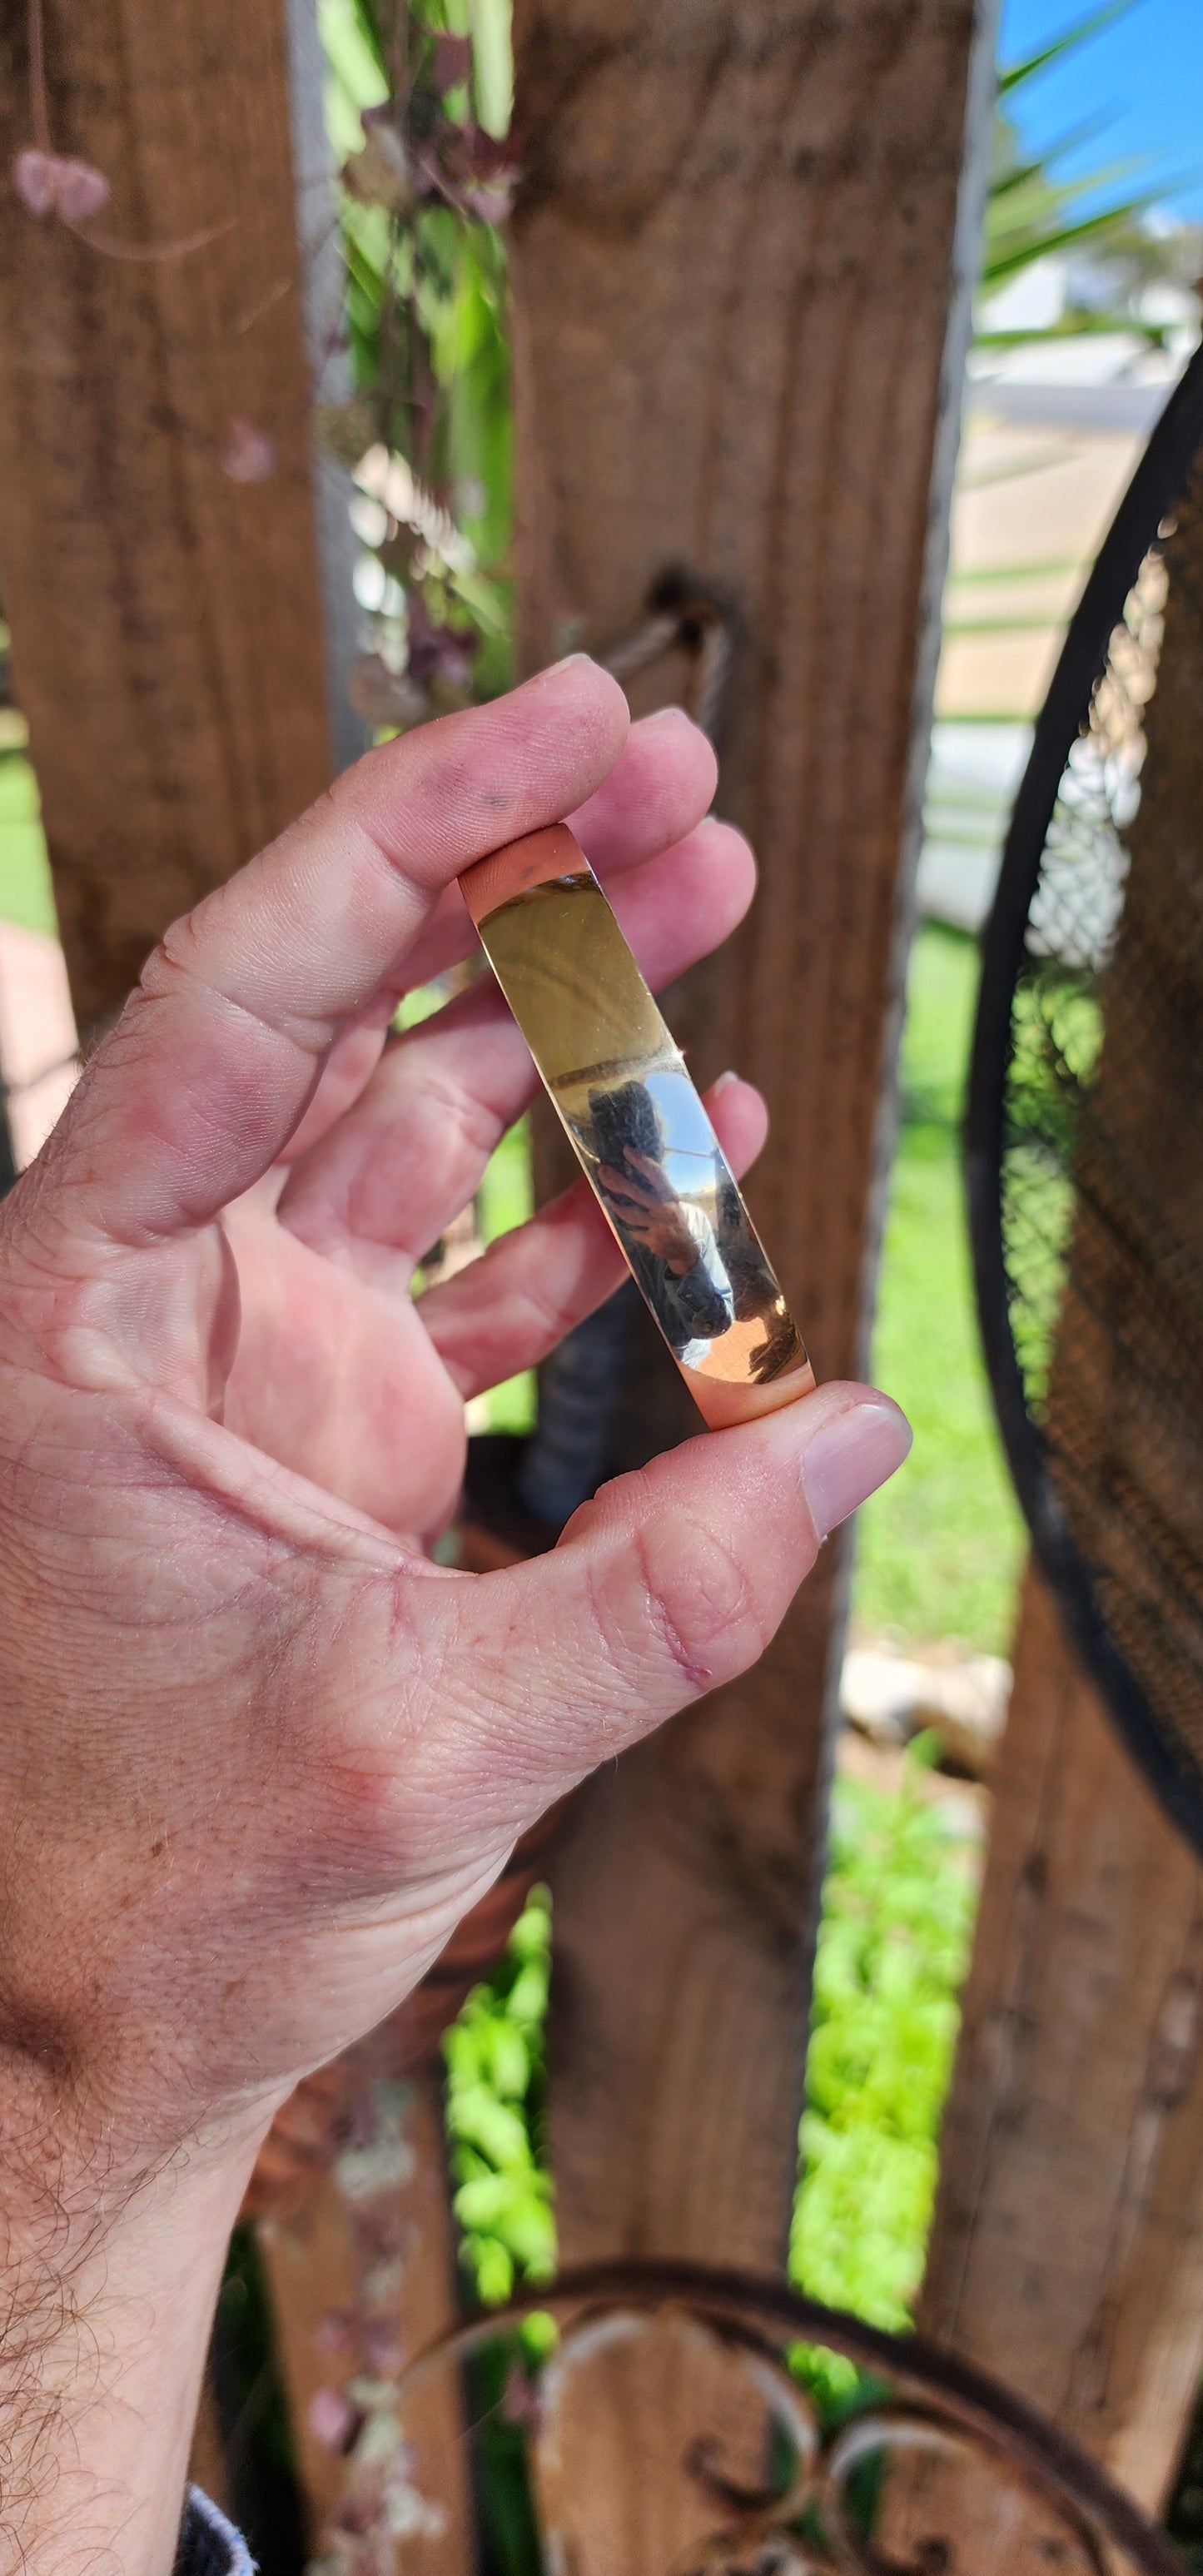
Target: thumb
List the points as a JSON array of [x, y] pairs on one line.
[[669, 1584]]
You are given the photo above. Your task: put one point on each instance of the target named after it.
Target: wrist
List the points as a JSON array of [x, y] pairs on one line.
[[106, 2317]]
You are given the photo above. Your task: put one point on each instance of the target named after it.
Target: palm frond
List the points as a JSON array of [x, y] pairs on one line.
[[1017, 75]]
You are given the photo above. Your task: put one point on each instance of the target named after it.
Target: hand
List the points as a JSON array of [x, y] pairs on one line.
[[259, 1751]]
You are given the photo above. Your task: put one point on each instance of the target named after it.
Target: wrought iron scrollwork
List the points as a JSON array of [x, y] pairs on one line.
[[941, 2471]]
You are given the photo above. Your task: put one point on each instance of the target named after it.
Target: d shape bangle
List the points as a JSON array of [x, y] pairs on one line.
[[620, 1086]]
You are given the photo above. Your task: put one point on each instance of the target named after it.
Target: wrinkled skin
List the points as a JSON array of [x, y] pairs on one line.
[[259, 1753]]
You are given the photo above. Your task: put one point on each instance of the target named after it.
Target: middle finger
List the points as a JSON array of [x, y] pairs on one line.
[[660, 787], [658, 790]]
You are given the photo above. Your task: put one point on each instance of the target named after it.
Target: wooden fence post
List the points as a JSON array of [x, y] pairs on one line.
[[166, 616], [741, 271], [1067, 2252]]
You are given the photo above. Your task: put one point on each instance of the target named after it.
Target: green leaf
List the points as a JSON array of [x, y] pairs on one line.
[[493, 2054], [492, 2267], [493, 63], [355, 57], [892, 1949], [1024, 173], [476, 2114], [1080, 33], [1003, 263]]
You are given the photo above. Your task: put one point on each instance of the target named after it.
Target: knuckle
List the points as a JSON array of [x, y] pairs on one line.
[[430, 1118], [698, 1600], [467, 1125], [176, 961]]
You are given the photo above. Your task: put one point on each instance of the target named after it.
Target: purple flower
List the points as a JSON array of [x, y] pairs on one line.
[[49, 185]]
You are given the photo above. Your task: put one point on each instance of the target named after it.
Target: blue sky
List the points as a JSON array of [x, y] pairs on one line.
[[1144, 75]]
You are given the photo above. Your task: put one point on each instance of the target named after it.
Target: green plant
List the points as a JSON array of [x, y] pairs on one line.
[[1033, 213], [418, 107], [892, 1950], [495, 2066]]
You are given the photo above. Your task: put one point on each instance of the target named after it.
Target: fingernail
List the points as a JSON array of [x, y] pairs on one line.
[[723, 1082], [849, 1457], [661, 715], [554, 668]]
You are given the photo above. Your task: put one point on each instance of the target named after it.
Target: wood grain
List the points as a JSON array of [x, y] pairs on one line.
[[744, 231], [166, 620], [1067, 2252]]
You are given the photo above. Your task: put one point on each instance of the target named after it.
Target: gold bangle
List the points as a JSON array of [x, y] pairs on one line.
[[619, 1084]]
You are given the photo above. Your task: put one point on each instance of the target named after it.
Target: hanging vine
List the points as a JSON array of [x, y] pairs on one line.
[[419, 110]]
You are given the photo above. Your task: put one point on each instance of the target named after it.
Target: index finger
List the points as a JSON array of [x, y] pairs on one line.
[[199, 1086]]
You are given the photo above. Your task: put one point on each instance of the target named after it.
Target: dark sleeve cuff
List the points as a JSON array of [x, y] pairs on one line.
[[209, 2545]]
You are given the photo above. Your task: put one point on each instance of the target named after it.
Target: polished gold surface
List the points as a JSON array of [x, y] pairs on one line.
[[621, 1088]]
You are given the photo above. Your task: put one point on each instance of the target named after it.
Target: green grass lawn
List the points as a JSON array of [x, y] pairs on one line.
[[938, 1553]]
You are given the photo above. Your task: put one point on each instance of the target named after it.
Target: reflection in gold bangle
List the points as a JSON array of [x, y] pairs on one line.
[[619, 1084]]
